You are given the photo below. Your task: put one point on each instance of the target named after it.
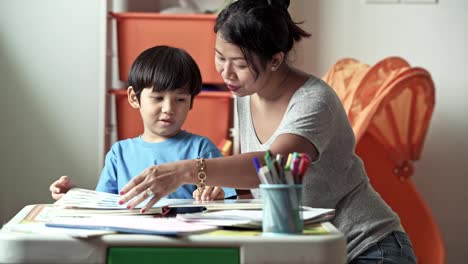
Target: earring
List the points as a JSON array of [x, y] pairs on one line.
[[273, 68]]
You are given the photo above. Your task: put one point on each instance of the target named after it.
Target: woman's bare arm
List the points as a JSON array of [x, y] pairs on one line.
[[235, 171]]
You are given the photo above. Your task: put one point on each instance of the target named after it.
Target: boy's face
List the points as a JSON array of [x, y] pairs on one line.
[[163, 113]]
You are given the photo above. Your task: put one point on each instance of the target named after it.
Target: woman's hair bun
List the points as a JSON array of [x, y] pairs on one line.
[[283, 4]]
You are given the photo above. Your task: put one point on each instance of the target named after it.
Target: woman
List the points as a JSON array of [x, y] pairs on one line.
[[285, 110]]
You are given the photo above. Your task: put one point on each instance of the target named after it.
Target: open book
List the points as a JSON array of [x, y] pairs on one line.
[[82, 201]]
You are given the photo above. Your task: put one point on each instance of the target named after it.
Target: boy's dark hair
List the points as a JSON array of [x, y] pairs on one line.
[[165, 68], [259, 27]]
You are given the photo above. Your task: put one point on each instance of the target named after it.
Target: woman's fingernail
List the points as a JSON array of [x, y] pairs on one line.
[[129, 207], [143, 211], [122, 192], [121, 202]]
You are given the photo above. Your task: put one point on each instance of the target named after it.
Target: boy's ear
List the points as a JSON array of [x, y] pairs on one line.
[[132, 98], [276, 60]]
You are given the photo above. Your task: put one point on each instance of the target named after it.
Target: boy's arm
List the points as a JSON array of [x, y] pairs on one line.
[[108, 179]]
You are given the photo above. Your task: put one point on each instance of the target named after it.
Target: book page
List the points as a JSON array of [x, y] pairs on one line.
[[83, 198], [90, 199]]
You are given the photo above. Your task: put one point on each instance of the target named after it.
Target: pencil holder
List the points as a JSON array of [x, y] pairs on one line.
[[282, 209]]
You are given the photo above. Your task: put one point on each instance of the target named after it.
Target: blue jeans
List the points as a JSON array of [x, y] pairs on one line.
[[394, 248]]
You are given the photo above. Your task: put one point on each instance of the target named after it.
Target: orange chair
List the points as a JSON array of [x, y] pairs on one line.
[[389, 106]]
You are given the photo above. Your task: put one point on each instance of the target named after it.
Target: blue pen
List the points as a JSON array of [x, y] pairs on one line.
[[256, 164]]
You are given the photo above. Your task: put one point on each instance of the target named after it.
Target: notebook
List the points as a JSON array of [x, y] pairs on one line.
[[131, 225]]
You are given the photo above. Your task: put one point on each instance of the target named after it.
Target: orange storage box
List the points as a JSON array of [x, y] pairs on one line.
[[210, 116], [193, 33]]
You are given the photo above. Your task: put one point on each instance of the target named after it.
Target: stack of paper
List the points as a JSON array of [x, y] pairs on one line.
[[251, 218]]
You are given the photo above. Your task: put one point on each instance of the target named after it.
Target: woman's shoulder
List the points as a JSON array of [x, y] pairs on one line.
[[315, 91], [314, 86]]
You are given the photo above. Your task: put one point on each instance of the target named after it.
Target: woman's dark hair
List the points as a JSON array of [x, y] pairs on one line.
[[165, 68], [259, 27]]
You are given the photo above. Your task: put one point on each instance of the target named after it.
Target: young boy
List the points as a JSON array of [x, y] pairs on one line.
[[163, 82]]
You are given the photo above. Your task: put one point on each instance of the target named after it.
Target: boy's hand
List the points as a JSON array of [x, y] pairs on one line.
[[60, 187], [209, 194]]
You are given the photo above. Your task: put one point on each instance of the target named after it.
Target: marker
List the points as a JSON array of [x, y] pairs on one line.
[[294, 157], [302, 168], [295, 169], [280, 160], [288, 177], [256, 164], [274, 173], [288, 162], [264, 175], [278, 171], [268, 159]]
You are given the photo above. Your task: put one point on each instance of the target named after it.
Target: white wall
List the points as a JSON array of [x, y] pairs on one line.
[[51, 72], [52, 77], [434, 37]]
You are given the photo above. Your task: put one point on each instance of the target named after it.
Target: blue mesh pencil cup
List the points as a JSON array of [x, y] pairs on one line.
[[282, 209]]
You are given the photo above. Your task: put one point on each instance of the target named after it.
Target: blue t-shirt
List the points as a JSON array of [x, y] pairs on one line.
[[128, 158]]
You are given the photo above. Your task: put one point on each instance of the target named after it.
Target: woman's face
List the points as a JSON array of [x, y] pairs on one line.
[[232, 66]]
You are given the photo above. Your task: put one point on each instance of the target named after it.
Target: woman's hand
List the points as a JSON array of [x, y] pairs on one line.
[[59, 187], [157, 181], [209, 194]]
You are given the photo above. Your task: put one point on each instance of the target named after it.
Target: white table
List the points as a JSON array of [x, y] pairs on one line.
[[232, 247]]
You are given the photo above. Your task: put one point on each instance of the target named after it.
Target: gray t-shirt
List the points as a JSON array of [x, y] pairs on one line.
[[337, 178]]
